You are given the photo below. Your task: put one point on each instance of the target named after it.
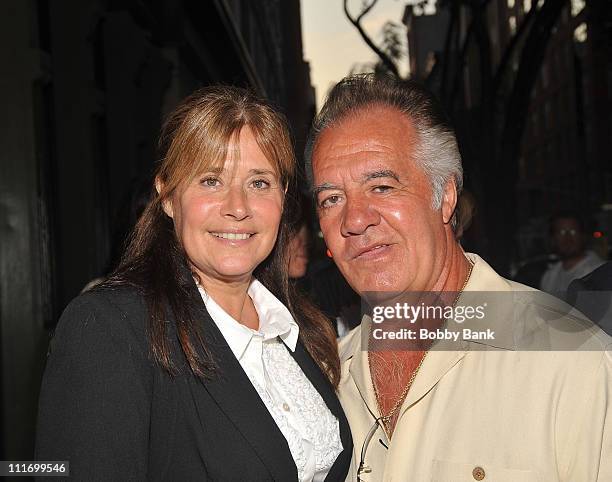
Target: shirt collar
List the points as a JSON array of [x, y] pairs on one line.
[[275, 320]]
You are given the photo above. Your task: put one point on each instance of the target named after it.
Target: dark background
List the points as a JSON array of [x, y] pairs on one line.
[[85, 85]]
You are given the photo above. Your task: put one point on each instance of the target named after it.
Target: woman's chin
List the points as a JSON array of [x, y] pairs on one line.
[[232, 272]]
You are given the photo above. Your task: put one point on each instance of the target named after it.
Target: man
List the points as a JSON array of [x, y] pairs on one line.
[[568, 236], [386, 173]]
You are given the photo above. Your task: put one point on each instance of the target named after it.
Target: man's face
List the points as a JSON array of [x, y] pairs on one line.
[[375, 207], [568, 238]]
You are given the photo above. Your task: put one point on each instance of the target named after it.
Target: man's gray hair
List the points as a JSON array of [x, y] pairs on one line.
[[436, 150]]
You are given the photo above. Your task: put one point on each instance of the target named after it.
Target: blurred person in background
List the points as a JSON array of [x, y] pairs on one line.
[[193, 360], [298, 253], [569, 241], [299, 244]]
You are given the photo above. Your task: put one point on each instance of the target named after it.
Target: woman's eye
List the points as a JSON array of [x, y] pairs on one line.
[[330, 201], [210, 182], [260, 184]]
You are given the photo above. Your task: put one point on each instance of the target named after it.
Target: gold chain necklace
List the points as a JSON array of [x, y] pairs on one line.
[[386, 419]]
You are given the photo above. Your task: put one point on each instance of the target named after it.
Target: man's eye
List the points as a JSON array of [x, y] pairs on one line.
[[330, 201], [210, 182], [260, 184], [382, 189]]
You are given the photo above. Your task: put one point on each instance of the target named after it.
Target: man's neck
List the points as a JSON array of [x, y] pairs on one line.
[[455, 269], [393, 370], [570, 262]]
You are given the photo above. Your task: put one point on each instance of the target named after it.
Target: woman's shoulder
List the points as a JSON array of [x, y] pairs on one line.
[[122, 297], [117, 313]]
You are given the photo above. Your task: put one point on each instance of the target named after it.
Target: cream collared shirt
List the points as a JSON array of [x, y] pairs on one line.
[[532, 405], [311, 430]]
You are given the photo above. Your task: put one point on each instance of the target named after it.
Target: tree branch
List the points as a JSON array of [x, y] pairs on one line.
[[512, 46], [532, 56], [453, 20], [384, 58]]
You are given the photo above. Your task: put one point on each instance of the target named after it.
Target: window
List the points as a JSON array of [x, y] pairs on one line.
[[526, 5], [511, 3], [512, 24], [580, 34], [577, 6]]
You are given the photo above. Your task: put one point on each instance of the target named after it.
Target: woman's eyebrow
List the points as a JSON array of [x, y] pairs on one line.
[[260, 172]]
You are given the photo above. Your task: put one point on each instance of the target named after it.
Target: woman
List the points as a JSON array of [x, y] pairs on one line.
[[184, 365]]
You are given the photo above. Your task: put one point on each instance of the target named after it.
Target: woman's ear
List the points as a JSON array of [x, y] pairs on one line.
[[166, 203], [449, 201]]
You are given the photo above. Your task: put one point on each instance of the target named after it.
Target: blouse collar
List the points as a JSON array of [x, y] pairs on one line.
[[275, 320]]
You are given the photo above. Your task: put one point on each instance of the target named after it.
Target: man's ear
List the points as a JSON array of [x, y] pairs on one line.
[[166, 203], [449, 201]]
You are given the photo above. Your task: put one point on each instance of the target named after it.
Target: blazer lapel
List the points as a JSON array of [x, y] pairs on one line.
[[312, 371], [239, 401]]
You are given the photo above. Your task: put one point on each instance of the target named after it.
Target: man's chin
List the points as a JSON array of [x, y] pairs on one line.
[[379, 294]]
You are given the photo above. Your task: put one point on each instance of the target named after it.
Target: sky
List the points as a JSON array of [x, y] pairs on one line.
[[333, 46]]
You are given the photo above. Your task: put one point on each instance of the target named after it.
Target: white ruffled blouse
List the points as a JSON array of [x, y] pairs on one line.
[[311, 430]]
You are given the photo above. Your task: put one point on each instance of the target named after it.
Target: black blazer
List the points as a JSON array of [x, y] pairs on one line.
[[114, 414]]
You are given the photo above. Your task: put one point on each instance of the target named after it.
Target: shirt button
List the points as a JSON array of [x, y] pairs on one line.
[[478, 473], [286, 407]]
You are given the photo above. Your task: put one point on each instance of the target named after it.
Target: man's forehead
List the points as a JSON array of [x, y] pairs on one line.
[[356, 162], [374, 129]]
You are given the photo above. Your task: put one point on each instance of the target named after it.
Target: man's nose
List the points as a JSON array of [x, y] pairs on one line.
[[236, 204], [358, 216]]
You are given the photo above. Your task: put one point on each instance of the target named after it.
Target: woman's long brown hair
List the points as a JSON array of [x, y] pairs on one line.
[[196, 137]]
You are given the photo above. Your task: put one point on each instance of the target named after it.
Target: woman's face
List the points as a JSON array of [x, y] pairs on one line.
[[227, 220]]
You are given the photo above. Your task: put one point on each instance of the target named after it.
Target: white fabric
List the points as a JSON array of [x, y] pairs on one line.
[[556, 279], [311, 430]]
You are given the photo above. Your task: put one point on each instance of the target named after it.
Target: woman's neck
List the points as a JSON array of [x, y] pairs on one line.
[[233, 297]]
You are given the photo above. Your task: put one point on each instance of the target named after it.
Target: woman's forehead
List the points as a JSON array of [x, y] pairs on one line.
[[236, 162]]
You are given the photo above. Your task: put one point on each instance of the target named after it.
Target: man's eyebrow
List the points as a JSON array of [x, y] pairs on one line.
[[326, 186], [378, 174]]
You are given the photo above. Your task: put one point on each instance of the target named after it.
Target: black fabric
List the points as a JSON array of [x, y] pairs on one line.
[[106, 407], [592, 295]]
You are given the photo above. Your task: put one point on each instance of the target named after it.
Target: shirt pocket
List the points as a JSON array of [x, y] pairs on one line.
[[443, 471]]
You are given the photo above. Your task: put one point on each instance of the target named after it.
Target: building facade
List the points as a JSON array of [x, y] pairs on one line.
[[564, 161]]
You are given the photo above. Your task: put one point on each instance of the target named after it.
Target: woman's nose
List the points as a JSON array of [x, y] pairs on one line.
[[236, 204]]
